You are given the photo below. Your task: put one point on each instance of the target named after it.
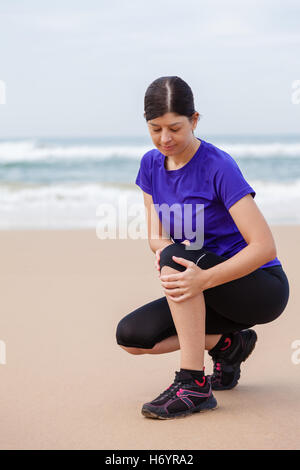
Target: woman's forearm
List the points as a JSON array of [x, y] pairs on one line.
[[242, 263]]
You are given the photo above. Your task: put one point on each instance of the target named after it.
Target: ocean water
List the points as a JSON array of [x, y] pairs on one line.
[[84, 183]]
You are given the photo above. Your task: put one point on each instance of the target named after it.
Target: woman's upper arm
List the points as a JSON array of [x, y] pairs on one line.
[[252, 224], [154, 225]]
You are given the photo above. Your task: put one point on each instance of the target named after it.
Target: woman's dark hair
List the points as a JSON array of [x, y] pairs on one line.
[[168, 95]]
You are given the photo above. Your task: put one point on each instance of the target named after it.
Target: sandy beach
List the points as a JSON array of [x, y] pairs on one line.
[[66, 384]]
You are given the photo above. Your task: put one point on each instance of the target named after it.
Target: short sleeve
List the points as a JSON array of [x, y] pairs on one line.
[[230, 184], [144, 176]]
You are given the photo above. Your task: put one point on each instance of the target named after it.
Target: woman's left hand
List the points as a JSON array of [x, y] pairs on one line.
[[184, 285]]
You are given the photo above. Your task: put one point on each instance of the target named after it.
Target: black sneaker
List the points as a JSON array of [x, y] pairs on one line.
[[184, 396], [227, 362]]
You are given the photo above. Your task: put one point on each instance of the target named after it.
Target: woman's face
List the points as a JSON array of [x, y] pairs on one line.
[[172, 133]]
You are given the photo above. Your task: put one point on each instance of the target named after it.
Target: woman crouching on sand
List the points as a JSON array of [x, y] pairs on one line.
[[216, 290]]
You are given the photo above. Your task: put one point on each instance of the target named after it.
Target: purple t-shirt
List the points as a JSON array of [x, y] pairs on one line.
[[193, 201]]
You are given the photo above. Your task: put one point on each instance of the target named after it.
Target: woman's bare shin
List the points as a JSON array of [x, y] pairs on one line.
[[189, 320], [171, 344]]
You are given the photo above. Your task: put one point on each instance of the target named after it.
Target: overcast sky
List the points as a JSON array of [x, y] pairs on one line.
[[81, 68]]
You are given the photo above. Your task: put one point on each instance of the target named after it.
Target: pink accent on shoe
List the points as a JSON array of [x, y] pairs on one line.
[[202, 383], [227, 340], [185, 393]]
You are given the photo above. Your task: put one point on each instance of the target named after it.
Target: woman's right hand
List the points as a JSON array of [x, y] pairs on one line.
[[157, 255]]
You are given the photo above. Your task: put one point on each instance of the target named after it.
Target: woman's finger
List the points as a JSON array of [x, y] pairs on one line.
[[180, 298], [171, 285], [173, 292]]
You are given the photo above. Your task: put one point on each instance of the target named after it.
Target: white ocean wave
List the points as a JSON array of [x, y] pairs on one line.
[[63, 194], [262, 150], [71, 205], [32, 150], [13, 193], [275, 191]]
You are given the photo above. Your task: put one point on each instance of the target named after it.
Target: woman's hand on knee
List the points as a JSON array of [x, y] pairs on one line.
[[158, 252], [186, 284]]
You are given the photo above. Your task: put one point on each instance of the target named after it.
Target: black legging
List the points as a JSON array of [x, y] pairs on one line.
[[258, 297]]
